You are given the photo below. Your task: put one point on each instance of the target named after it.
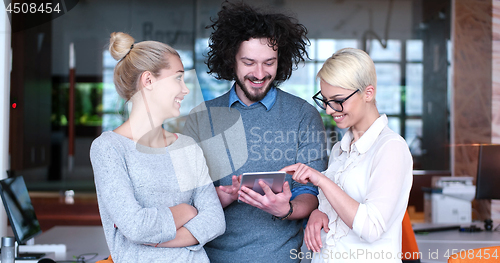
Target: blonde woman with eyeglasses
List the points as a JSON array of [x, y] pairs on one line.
[[364, 191]]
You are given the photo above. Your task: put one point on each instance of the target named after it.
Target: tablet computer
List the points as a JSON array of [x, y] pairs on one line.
[[274, 180]]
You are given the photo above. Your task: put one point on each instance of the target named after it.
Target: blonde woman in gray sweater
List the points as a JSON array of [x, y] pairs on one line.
[[156, 199]]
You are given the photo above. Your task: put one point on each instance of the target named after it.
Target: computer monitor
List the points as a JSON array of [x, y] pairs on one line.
[[19, 208], [488, 172]]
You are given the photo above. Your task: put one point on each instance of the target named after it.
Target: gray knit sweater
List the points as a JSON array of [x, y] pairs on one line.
[[251, 139], [135, 187]]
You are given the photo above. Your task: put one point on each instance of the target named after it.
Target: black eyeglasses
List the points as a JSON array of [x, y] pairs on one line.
[[336, 105]]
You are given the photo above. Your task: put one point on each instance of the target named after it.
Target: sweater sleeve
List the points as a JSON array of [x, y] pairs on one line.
[[390, 182], [116, 195], [210, 221], [312, 140]]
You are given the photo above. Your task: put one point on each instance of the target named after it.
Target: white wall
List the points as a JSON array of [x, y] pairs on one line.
[[5, 65]]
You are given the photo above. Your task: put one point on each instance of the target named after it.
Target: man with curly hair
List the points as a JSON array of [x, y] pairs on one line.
[[258, 51]]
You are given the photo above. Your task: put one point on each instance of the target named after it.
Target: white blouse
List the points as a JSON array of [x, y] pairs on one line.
[[376, 171]]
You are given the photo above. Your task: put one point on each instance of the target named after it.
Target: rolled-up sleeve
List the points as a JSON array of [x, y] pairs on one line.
[[388, 190]]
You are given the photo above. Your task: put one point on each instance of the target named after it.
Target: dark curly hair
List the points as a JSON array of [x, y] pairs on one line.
[[238, 22]]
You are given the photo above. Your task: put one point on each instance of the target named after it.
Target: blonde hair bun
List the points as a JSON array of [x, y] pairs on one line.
[[119, 44], [152, 56]]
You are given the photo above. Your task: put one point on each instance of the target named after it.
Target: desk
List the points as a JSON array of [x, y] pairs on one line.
[[438, 246], [78, 240]]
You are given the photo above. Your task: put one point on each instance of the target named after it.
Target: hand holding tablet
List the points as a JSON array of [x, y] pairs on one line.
[[275, 199], [274, 180]]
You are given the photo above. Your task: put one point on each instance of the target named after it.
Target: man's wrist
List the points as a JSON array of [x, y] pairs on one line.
[[290, 211]]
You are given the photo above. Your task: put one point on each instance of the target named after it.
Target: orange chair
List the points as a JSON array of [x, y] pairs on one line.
[[409, 244], [108, 260], [478, 255]]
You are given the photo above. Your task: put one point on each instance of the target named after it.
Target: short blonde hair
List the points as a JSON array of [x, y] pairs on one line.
[[349, 68], [134, 59]]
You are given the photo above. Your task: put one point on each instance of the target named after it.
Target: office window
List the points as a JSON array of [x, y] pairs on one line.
[[388, 88], [399, 87], [113, 114], [414, 73], [392, 52], [210, 87]]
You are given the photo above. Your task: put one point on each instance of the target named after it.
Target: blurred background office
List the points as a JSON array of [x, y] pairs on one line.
[[437, 61]]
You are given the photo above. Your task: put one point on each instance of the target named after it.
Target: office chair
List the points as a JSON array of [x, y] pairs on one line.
[[107, 260], [409, 244]]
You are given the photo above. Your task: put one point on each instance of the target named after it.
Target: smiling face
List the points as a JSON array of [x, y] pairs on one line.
[[256, 66], [169, 90], [353, 108]]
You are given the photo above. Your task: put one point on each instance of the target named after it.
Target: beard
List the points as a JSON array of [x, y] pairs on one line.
[[258, 96]]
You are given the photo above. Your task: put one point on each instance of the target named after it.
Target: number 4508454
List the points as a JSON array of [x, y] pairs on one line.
[[32, 8], [484, 253]]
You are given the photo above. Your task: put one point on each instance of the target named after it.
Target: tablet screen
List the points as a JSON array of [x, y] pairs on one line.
[[274, 180]]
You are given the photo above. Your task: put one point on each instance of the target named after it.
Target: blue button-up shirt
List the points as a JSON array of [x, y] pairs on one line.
[[268, 101]]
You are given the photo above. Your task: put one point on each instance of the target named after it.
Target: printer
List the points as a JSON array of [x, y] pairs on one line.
[[449, 200]]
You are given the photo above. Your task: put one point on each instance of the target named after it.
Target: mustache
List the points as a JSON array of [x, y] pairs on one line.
[[252, 78]]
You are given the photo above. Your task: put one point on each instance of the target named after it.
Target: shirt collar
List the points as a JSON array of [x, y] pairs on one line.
[[268, 101], [364, 143]]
